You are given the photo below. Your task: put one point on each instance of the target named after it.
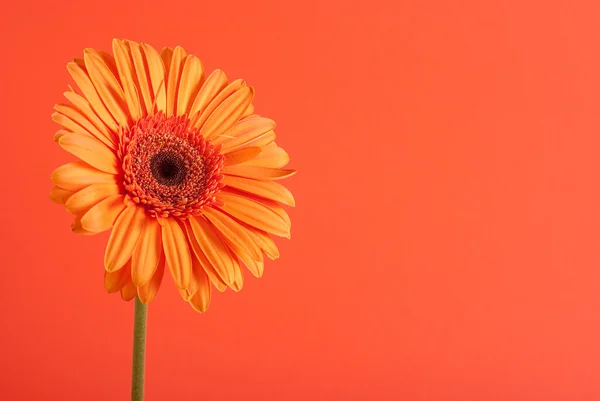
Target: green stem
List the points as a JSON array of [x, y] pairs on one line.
[[139, 351]]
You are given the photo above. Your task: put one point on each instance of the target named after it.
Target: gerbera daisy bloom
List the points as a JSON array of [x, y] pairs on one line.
[[176, 164]]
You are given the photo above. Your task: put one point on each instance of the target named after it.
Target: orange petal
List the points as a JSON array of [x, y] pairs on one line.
[[220, 97], [258, 173], [200, 257], [102, 132], [128, 292], [271, 156], [115, 281], [190, 83], [77, 228], [84, 200], [261, 141], [142, 76], [60, 195], [106, 58], [108, 88], [255, 214], [148, 291], [82, 121], [227, 113], [156, 70], [199, 277], [78, 175], [68, 124], [257, 268], [265, 242], [215, 83], [124, 237], [147, 253], [126, 73], [245, 132], [275, 207], [253, 263], [233, 233], [241, 155], [177, 252], [59, 134], [166, 54], [84, 83], [265, 189], [214, 248], [91, 151], [174, 72], [238, 282], [249, 111], [103, 215], [187, 293], [201, 298]]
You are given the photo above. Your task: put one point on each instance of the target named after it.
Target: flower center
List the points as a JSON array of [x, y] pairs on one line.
[[169, 167]]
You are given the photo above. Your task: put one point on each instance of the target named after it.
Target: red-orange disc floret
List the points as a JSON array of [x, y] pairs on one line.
[[169, 167]]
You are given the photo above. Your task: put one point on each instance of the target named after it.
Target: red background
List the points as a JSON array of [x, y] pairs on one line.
[[445, 242]]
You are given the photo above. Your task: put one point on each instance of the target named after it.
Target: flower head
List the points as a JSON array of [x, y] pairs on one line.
[[177, 165]]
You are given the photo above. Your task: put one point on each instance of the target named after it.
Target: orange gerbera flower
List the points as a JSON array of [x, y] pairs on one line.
[[177, 164]]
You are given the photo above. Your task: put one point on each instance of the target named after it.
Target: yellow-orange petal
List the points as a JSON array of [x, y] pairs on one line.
[[190, 83], [275, 207], [147, 253], [258, 173], [265, 189], [245, 133], [190, 290], [173, 74], [214, 248], [254, 264], [265, 242], [77, 228], [271, 156], [157, 72], [108, 88], [177, 252], [233, 232], [227, 113], [200, 257], [128, 292], [78, 175], [68, 124], [83, 200], [101, 131], [148, 291], [84, 83], [238, 282], [103, 215], [249, 111], [60, 195], [215, 83], [115, 281], [106, 58], [253, 213], [256, 267], [59, 134], [220, 97], [124, 237], [143, 79], [201, 298], [91, 151], [126, 74], [166, 54], [81, 119], [241, 155]]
